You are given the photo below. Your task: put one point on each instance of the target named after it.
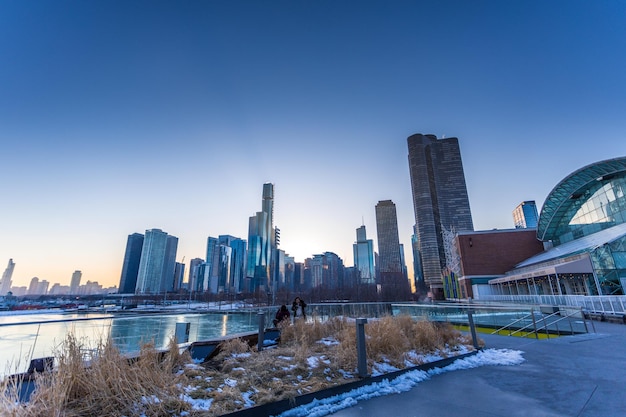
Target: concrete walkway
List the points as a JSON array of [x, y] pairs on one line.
[[583, 375]]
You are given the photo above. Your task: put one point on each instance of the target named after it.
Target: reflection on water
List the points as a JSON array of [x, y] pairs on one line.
[[224, 324], [20, 343]]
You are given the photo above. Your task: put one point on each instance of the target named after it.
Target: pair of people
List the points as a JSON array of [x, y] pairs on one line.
[[298, 308]]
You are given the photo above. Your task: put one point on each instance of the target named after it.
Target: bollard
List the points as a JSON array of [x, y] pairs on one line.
[[360, 348], [470, 319], [261, 316]]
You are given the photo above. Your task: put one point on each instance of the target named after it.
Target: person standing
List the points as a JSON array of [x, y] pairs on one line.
[[298, 308]]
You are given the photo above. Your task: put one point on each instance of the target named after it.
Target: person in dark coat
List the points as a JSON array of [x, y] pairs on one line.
[[281, 314], [298, 306]]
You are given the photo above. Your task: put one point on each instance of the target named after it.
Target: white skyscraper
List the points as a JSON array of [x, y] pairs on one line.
[[75, 282], [5, 282]]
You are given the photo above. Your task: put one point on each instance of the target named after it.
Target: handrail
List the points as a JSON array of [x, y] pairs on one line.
[[513, 322]]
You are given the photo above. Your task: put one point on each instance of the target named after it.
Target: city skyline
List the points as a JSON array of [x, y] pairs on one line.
[[121, 117]]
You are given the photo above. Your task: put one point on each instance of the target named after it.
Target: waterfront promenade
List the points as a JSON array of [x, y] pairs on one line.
[[571, 376]]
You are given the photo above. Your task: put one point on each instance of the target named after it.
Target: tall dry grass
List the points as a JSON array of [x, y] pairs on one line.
[[111, 384]]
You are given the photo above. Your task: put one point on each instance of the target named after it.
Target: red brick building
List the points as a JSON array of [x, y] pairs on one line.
[[484, 255]]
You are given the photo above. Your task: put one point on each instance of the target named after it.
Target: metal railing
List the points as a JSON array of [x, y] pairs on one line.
[[605, 304]]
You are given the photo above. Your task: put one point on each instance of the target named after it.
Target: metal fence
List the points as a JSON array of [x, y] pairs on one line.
[[604, 304]]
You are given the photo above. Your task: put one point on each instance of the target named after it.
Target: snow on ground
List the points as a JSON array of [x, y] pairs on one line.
[[402, 383]]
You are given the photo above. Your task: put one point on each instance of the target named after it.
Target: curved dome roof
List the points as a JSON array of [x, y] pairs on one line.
[[565, 194]]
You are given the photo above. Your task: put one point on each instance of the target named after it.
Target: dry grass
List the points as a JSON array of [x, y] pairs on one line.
[[239, 377], [111, 385]]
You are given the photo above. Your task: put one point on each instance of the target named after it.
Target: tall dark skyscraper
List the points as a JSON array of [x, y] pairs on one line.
[[130, 268], [440, 200], [388, 238]]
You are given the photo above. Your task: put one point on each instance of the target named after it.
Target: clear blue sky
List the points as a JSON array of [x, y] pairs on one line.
[[121, 116]]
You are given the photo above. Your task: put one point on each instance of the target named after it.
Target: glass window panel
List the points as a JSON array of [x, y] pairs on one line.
[[620, 259]]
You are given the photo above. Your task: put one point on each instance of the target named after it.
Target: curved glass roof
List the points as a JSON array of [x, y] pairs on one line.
[[566, 193]]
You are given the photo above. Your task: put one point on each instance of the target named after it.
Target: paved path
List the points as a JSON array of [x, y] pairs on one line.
[[580, 376]]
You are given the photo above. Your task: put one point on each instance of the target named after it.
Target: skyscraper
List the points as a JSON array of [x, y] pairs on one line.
[[195, 280], [226, 264], [418, 276], [440, 200], [158, 262], [5, 282], [130, 268], [391, 274], [261, 242], [234, 283], [388, 238], [525, 215], [363, 250], [75, 282]]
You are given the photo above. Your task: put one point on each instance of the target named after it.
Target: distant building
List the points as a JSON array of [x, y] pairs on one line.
[[290, 273], [391, 274], [33, 288], [324, 270], [194, 282], [388, 237], [179, 275], [440, 200], [5, 282], [525, 215], [58, 289], [234, 280], [130, 267], [75, 282], [261, 243], [363, 250], [158, 261]]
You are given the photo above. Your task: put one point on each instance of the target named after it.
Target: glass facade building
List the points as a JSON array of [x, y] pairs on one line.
[[440, 200], [363, 250], [157, 264], [261, 243], [584, 219], [525, 215], [130, 267]]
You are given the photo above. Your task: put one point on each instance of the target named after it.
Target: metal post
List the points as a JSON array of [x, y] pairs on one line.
[[470, 319], [532, 314], [261, 316], [360, 348]]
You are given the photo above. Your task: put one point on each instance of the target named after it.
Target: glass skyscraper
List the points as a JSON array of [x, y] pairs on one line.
[[525, 215], [261, 243], [440, 200], [363, 250], [158, 263], [130, 268], [225, 264]]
